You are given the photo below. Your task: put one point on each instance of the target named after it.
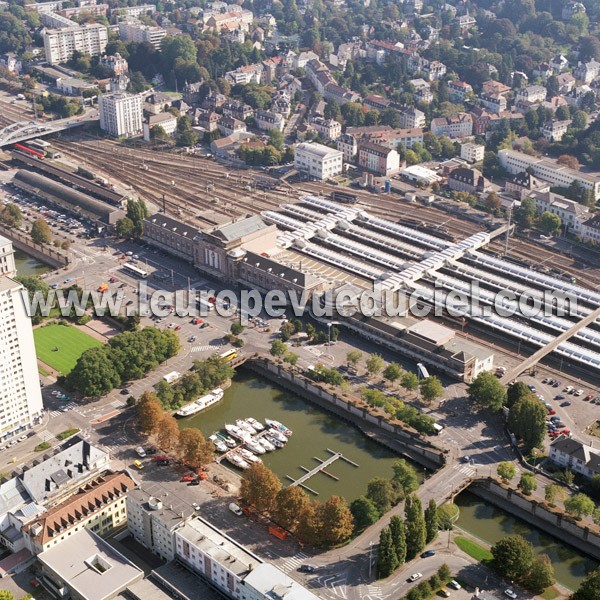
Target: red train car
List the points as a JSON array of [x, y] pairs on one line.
[[27, 150]]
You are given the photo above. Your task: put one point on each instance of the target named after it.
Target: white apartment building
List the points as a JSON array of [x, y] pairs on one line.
[[412, 118], [20, 394], [134, 11], [318, 161], [231, 568], [572, 214], [472, 152], [348, 146], [549, 170], [456, 126], [120, 114], [55, 21], [134, 31], [60, 44], [7, 258], [329, 129]]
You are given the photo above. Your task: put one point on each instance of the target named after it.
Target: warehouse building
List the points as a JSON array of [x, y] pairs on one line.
[[67, 198]]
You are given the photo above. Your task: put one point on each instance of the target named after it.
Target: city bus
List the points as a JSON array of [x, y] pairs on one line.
[[229, 355], [133, 270]]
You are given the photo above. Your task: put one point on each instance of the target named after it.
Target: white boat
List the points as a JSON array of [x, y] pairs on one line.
[[274, 441], [278, 435], [201, 404], [219, 443], [254, 446], [244, 426], [279, 427], [237, 461], [229, 441], [248, 456], [236, 432], [266, 444], [256, 424]]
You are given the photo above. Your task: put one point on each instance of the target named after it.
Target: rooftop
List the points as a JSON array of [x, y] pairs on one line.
[[269, 581], [90, 566], [66, 467], [317, 149], [178, 227], [238, 229], [219, 547]]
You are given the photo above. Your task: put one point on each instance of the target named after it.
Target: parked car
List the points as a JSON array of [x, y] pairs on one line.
[[510, 594], [454, 585], [235, 509], [188, 478], [565, 403], [579, 393], [138, 465], [415, 576], [428, 553]]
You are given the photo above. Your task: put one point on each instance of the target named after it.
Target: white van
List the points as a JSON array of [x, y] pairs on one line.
[[235, 509], [140, 452]]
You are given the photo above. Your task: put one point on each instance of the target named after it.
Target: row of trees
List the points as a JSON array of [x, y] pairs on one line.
[[400, 410], [404, 539], [327, 524], [513, 558], [430, 586], [205, 375], [578, 505], [127, 356], [188, 444]]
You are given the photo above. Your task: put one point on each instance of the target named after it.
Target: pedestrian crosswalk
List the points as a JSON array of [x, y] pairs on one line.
[[294, 562], [374, 592], [65, 408], [45, 435], [118, 404], [115, 444], [207, 347], [466, 469]]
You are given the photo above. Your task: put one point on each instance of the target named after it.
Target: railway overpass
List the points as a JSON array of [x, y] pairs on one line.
[[22, 131], [545, 350]]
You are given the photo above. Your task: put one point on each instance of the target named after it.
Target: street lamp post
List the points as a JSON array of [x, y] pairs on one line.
[[370, 557]]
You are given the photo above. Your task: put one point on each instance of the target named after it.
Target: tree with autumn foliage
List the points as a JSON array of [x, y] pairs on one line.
[[336, 523], [149, 413], [260, 487], [168, 433], [290, 503], [193, 448]]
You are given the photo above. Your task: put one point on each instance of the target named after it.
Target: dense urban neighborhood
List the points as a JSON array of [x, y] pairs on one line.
[[299, 299]]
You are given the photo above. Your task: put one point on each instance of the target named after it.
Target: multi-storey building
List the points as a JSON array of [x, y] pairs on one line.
[[229, 125], [99, 505], [575, 456], [532, 94], [60, 44], [232, 569], [318, 161], [572, 214], [412, 118], [134, 31], [7, 258], [166, 121], [267, 120], [116, 63], [472, 152], [465, 179], [121, 114], [554, 130], [587, 72], [20, 394], [549, 170], [456, 126], [458, 90], [495, 103], [238, 110], [378, 159], [348, 146], [328, 129], [171, 235], [134, 11], [53, 20]]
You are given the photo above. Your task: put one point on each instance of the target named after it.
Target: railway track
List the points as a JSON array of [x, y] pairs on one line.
[[202, 187]]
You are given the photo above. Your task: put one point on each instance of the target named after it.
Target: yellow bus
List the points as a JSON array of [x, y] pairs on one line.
[[229, 355]]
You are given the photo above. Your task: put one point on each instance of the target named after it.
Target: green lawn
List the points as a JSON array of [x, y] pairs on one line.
[[473, 549], [60, 346]]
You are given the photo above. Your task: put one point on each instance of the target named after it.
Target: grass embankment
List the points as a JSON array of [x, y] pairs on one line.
[[59, 346], [473, 549], [67, 433]]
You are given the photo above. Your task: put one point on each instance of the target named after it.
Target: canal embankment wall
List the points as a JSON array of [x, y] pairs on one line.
[[44, 253], [580, 534], [404, 442]]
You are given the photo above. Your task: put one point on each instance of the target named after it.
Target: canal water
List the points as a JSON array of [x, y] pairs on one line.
[[314, 431], [27, 265], [490, 524]]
